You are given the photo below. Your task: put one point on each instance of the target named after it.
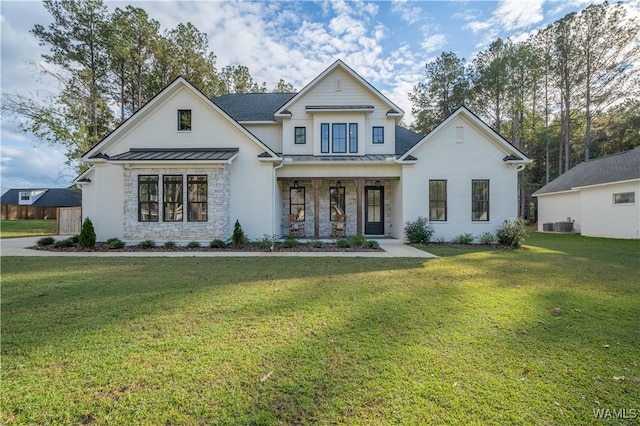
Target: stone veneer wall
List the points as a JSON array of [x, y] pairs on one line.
[[218, 205], [350, 206]]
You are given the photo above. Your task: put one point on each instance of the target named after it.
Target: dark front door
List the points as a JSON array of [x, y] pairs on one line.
[[374, 210]]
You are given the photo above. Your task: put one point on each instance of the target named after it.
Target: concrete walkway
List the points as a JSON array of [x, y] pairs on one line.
[[392, 248]]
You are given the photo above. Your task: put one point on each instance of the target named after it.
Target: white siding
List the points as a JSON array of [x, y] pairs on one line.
[[103, 202], [558, 207], [602, 218]]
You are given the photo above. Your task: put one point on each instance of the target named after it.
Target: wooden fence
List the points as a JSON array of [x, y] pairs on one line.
[[69, 220], [15, 211]]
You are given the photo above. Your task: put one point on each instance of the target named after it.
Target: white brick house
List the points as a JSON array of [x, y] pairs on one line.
[[185, 167]]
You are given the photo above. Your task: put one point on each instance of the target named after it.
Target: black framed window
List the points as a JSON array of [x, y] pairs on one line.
[[337, 206], [480, 200], [353, 137], [197, 198], [324, 138], [437, 200], [184, 119], [339, 137], [148, 198], [378, 134], [296, 202], [300, 135], [172, 198]]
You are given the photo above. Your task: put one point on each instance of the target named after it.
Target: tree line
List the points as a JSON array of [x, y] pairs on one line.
[[568, 93]]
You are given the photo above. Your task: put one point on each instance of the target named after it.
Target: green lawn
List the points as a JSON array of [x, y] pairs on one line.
[[463, 339], [27, 228]]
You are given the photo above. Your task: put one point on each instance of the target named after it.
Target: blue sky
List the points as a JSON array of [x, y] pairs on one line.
[[386, 42]]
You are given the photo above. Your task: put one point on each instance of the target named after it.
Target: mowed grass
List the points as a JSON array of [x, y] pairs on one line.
[[27, 228], [464, 339]]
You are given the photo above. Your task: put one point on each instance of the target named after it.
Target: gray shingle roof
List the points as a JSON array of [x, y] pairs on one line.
[[613, 168], [252, 106], [53, 197], [406, 139], [160, 154]]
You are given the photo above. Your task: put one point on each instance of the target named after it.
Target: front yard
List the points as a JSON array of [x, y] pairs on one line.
[[465, 339], [27, 228]]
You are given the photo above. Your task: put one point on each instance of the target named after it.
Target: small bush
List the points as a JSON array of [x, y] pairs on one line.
[[147, 244], [487, 238], [217, 244], [87, 237], [170, 245], [267, 242], [74, 239], [419, 232], [237, 239], [315, 243], [291, 241], [115, 243], [343, 243], [513, 232], [371, 244], [193, 244], [64, 243], [356, 241], [46, 241], [464, 239]]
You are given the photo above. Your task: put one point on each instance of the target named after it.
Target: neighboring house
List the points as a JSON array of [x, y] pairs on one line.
[[185, 167], [600, 195], [41, 203]]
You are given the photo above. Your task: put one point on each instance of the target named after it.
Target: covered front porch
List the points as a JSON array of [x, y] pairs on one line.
[[318, 203]]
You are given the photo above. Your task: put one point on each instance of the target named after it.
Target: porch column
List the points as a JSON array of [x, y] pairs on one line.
[[316, 184], [359, 188]]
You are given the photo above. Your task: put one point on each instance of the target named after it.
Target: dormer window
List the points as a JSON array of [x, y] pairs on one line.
[[25, 196], [378, 134], [184, 120]]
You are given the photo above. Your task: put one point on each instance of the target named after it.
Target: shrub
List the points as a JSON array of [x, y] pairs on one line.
[[419, 232], [115, 243], [343, 243], [237, 239], [217, 244], [46, 241], [291, 241], [170, 245], [193, 244], [315, 243], [487, 238], [267, 242], [356, 241], [147, 244], [87, 237], [513, 232], [74, 239], [464, 239], [64, 243], [371, 244]]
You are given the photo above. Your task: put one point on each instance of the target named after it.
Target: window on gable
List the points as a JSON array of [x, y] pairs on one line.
[[438, 200], [353, 138], [197, 198], [172, 198], [184, 120], [339, 138], [296, 202], [300, 135], [147, 198], [624, 198], [480, 200], [378, 134], [336, 196]]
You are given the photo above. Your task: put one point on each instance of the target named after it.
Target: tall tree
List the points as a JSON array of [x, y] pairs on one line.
[[237, 79], [284, 87], [446, 87]]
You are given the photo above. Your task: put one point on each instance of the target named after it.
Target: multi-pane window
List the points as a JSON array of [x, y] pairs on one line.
[[300, 135], [437, 200], [148, 198], [324, 138], [336, 195], [296, 202], [339, 137], [184, 119], [624, 198], [197, 198], [378, 134], [480, 200], [353, 138], [172, 198]]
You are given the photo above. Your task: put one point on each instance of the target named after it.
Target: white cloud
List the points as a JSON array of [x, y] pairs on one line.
[[519, 14], [408, 12]]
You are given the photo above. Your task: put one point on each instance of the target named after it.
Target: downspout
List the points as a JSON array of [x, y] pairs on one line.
[[273, 201]]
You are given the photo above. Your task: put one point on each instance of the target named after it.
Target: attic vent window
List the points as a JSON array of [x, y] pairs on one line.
[[459, 134], [184, 120], [338, 84]]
